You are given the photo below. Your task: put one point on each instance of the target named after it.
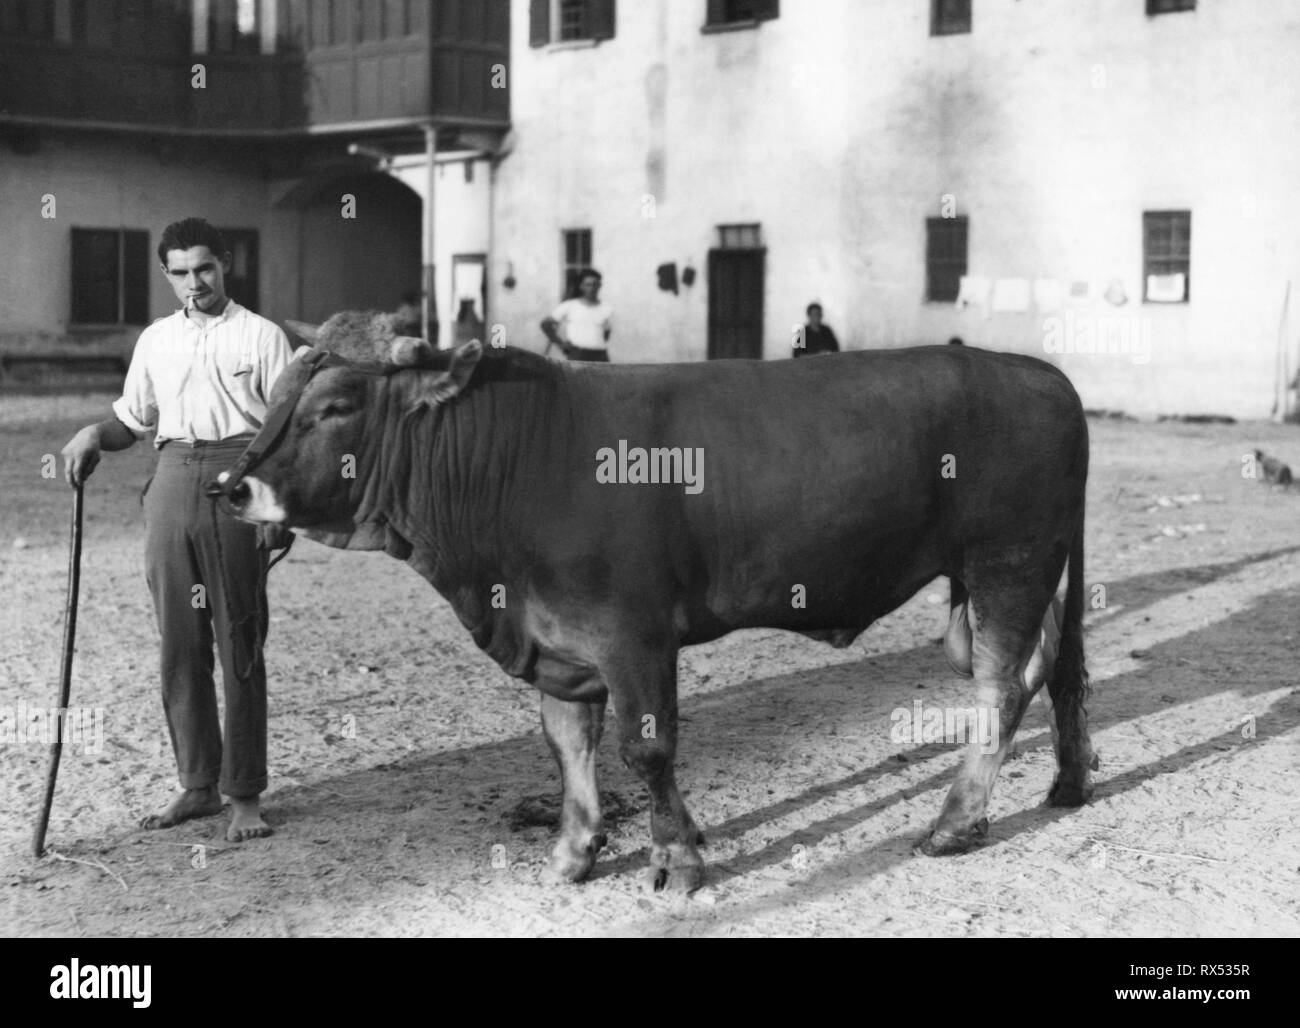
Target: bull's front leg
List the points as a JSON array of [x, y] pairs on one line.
[[573, 731], [643, 684]]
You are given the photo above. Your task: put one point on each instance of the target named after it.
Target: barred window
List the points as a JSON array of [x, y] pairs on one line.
[[730, 12], [577, 256], [949, 17], [1155, 7], [562, 21], [1167, 256]]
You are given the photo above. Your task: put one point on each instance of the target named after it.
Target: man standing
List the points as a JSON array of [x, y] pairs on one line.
[[200, 378], [581, 326]]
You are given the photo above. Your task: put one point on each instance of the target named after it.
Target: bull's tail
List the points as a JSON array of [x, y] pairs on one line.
[[1068, 687], [1069, 680]]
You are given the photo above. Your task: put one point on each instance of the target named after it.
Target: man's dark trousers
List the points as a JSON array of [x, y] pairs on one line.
[[188, 545]]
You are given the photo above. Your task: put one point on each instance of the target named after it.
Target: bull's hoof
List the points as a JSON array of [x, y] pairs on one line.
[[570, 863], [942, 842], [683, 880], [1069, 792], [676, 867], [1072, 789]]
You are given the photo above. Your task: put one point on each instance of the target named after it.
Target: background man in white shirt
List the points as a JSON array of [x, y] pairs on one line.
[[200, 378], [581, 326]]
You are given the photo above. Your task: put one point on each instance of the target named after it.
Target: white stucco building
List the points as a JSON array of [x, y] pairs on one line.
[[1096, 173]]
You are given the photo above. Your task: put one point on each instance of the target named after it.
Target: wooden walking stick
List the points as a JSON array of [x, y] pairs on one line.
[[65, 677]]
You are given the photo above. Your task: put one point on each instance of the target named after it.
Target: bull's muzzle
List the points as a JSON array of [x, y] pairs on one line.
[[232, 493]]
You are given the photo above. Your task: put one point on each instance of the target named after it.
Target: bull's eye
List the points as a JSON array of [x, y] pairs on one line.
[[338, 409]]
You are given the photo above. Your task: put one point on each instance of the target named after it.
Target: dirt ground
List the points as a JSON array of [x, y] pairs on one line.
[[412, 792]]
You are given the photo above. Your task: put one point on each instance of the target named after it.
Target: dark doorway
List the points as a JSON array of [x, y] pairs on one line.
[[736, 303], [362, 256]]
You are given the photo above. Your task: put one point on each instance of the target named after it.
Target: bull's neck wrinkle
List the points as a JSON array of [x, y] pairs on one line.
[[491, 447]]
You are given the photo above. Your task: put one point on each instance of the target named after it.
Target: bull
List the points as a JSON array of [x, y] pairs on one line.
[[848, 482]]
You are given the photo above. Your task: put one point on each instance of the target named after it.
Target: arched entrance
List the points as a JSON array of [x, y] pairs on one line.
[[367, 261]]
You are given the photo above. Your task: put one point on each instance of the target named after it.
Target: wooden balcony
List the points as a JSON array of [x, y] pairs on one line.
[[338, 64]]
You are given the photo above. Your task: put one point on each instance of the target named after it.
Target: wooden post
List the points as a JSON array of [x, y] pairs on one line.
[[429, 302]]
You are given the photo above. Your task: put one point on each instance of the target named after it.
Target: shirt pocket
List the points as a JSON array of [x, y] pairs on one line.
[[237, 371], [236, 374]]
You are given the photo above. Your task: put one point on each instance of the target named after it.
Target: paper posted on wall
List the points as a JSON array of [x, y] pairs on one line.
[[1011, 295], [973, 291], [1167, 288], [1049, 294]]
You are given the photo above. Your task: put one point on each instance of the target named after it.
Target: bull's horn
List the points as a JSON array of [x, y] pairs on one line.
[[411, 352], [309, 333]]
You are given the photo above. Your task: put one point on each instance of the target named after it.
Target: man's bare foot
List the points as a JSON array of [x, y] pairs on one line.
[[246, 820], [189, 803]]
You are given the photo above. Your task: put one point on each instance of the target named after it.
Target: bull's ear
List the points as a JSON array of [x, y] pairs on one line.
[[452, 381], [308, 333]]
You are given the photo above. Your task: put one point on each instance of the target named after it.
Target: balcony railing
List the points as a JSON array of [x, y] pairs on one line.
[[444, 71]]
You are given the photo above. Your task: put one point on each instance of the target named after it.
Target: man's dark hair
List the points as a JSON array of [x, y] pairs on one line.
[[181, 235], [956, 341], [589, 273], [814, 307]]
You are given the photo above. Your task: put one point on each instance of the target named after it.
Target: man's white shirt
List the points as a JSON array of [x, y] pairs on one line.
[[584, 324], [210, 381]]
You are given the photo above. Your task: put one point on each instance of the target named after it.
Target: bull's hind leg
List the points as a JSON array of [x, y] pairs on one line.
[[573, 733], [1006, 630], [1067, 687], [643, 684]]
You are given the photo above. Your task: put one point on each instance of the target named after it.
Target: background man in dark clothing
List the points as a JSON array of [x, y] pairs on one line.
[[817, 338]]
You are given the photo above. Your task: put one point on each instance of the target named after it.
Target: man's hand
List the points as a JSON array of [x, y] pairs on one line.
[[81, 455]]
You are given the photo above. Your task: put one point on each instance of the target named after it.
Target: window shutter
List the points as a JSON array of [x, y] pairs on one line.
[[95, 266], [135, 278], [539, 22], [765, 10], [602, 19]]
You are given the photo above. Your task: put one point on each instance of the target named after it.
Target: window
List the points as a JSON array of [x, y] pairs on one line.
[[1155, 7], [338, 28], [577, 255], [945, 257], [80, 21], [1166, 256], [110, 277], [573, 17], [741, 12], [27, 19], [370, 22], [398, 17], [740, 237], [949, 17], [241, 279], [562, 21]]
